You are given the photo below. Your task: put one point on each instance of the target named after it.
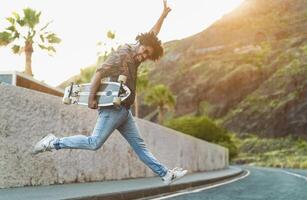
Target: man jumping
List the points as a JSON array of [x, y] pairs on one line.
[[125, 60]]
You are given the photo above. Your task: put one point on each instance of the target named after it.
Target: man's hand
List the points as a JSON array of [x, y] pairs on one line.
[[92, 103], [156, 28], [166, 9]]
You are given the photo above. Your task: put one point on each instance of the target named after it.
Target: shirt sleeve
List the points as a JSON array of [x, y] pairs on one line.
[[116, 62], [111, 64]]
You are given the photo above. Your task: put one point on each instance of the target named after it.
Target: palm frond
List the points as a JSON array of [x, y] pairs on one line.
[[160, 95], [48, 48], [5, 38], [42, 38], [111, 35], [16, 49], [21, 22], [11, 20], [44, 27], [11, 28], [31, 17], [52, 38], [16, 15]]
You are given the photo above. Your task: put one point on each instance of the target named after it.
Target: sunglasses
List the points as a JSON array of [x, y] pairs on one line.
[[146, 51]]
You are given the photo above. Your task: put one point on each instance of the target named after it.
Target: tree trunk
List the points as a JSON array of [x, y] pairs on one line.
[[136, 105], [161, 114], [28, 52]]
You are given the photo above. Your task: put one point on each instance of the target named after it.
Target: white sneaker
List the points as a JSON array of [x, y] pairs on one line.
[[45, 144], [173, 175]]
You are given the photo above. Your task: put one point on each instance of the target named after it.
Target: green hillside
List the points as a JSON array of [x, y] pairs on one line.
[[247, 71]]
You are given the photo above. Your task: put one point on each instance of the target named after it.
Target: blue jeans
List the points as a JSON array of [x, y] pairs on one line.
[[108, 120]]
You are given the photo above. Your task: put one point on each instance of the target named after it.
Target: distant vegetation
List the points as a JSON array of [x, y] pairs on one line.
[[162, 98], [86, 74], [205, 129], [286, 152]]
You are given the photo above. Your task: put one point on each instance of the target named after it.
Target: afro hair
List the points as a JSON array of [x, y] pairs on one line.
[[150, 39]]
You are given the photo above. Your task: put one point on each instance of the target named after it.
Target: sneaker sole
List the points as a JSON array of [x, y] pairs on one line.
[[42, 139], [178, 178]]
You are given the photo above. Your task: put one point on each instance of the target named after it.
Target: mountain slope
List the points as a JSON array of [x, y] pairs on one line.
[[247, 70]]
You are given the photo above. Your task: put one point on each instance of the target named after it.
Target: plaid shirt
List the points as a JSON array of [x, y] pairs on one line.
[[121, 62]]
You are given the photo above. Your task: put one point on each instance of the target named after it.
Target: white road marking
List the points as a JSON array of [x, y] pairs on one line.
[[202, 189], [294, 174]]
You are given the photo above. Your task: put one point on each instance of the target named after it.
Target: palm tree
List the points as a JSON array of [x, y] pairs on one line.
[[108, 46], [161, 97], [141, 86], [23, 33], [86, 74]]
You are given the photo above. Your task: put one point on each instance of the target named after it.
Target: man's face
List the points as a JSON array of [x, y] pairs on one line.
[[144, 53]]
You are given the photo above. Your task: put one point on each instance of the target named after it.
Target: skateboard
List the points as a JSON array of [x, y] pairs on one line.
[[109, 93]]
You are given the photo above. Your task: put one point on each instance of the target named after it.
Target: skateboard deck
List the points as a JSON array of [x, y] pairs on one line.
[[109, 93]]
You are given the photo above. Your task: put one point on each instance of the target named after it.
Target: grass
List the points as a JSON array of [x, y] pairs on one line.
[[286, 152]]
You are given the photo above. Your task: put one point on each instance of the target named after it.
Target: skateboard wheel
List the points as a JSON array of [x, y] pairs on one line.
[[122, 78], [66, 100], [116, 101]]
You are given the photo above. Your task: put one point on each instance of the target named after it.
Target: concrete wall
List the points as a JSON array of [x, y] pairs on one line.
[[26, 116]]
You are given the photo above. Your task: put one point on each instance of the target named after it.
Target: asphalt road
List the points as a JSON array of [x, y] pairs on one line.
[[258, 184]]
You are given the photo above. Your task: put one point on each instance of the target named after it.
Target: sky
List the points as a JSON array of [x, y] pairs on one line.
[[82, 24]]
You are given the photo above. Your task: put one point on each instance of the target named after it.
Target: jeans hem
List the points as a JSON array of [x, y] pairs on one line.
[[56, 144]]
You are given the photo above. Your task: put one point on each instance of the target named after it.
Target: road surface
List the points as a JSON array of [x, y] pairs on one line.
[[258, 184]]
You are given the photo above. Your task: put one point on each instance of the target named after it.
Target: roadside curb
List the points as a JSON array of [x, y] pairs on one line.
[[143, 193]]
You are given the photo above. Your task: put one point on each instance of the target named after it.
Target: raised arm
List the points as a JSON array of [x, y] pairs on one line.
[[156, 28]]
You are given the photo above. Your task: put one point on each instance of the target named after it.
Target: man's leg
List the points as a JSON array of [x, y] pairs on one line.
[[130, 132], [105, 125], [107, 122]]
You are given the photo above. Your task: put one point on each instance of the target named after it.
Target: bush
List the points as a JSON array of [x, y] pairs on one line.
[[205, 129], [86, 74], [303, 165]]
